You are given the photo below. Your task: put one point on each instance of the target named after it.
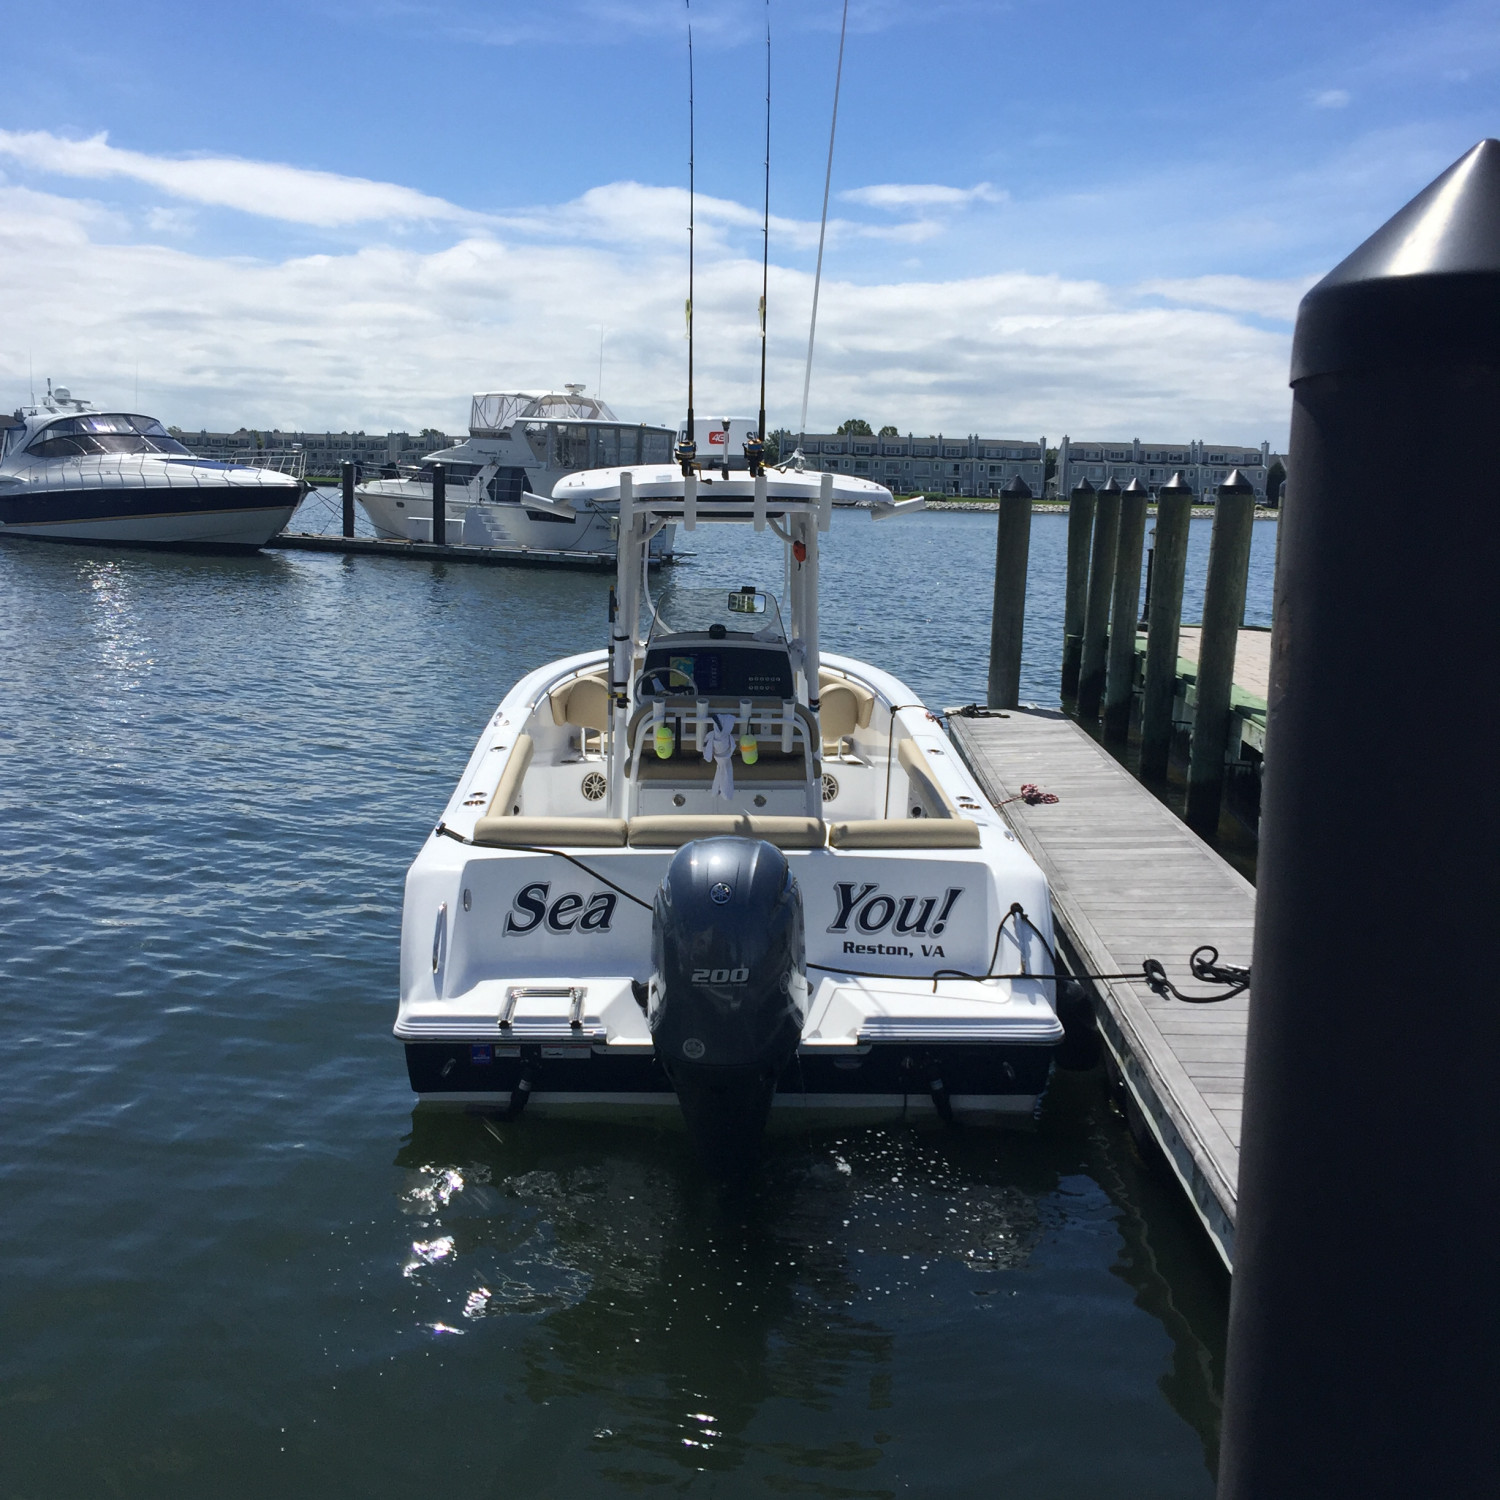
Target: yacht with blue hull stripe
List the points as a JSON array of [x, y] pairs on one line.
[[71, 473], [710, 867]]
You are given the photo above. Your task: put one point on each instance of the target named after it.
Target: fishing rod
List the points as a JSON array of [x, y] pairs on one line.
[[755, 448], [687, 446]]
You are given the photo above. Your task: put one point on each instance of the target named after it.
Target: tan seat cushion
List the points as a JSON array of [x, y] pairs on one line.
[[584, 702], [508, 792], [593, 833], [669, 832], [905, 833]]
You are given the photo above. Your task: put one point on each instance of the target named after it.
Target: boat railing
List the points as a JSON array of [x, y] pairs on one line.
[[290, 461], [781, 723]]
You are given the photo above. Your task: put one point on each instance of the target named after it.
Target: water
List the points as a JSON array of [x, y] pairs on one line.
[[238, 1262]]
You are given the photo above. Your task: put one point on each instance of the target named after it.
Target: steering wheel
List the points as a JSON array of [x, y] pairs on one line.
[[657, 683]]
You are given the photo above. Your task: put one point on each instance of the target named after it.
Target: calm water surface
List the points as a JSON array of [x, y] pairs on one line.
[[237, 1261]]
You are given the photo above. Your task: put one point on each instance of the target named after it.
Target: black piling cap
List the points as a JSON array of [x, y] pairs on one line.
[[1135, 487], [1424, 289], [1111, 486], [1017, 489], [1083, 487], [1236, 484], [1176, 485]]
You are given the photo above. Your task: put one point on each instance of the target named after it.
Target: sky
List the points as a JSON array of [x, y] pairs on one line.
[[1070, 216]]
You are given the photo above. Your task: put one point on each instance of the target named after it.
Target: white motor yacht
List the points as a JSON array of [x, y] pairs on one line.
[[520, 444], [709, 866], [71, 473]]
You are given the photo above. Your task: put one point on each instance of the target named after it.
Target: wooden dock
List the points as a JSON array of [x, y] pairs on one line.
[[1131, 881], [495, 557], [1252, 686]]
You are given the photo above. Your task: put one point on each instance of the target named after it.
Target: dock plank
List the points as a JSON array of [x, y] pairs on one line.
[[1130, 880]]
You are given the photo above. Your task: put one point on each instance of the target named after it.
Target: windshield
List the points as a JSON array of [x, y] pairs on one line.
[[104, 432], [746, 613]]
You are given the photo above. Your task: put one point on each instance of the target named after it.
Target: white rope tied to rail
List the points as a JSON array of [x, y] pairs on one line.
[[718, 747]]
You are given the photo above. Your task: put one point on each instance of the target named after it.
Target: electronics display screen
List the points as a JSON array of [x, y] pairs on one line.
[[715, 672]]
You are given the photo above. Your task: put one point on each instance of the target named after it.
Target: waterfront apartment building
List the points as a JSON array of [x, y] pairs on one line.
[[325, 450], [941, 465], [1203, 465]]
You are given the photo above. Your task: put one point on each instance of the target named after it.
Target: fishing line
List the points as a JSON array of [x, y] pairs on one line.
[[812, 328], [765, 253], [687, 449]]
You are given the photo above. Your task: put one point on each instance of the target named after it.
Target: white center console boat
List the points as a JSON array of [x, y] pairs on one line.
[[710, 867], [71, 473], [519, 443]]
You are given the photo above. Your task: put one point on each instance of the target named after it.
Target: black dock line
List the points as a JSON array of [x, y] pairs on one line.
[[1204, 964], [458, 838]]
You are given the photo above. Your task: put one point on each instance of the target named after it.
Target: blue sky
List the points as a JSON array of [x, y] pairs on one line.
[[1047, 217]]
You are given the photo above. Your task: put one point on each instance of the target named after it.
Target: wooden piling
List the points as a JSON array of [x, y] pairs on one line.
[[1125, 611], [1223, 613], [1093, 662], [1361, 1353], [1008, 615], [1075, 598], [346, 484], [439, 505], [1174, 512]]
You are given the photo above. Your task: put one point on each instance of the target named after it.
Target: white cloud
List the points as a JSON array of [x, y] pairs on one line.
[[1329, 99], [271, 189], [1240, 294], [390, 336], [900, 196]]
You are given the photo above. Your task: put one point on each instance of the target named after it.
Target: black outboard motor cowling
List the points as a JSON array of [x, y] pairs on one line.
[[728, 989]]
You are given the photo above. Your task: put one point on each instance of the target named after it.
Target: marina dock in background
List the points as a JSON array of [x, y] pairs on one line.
[[495, 557]]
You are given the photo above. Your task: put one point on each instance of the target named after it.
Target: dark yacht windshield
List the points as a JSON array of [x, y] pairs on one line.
[[104, 432]]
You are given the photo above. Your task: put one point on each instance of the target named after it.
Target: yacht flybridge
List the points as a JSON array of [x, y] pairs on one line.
[[711, 867], [520, 444], [69, 472]]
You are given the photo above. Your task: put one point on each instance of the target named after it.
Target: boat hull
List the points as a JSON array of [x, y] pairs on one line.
[[230, 516], [980, 1081], [401, 510]]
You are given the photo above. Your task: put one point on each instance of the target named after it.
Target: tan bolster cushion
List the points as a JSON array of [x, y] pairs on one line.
[[905, 833], [936, 800], [665, 831], [508, 793], [856, 704], [838, 711], [594, 833], [584, 702]]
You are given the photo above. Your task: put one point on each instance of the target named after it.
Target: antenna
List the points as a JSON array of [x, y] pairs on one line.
[[687, 447], [765, 254], [812, 329], [599, 384]]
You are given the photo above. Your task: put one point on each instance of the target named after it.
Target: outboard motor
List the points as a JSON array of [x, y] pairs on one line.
[[728, 989]]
